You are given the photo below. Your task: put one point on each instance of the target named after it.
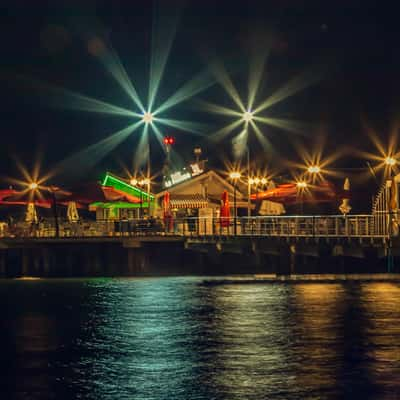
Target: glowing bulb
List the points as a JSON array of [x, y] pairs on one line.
[[33, 186], [133, 181], [390, 161], [234, 175], [257, 181], [264, 181], [301, 184], [145, 181], [247, 116], [251, 181], [314, 169], [147, 118]]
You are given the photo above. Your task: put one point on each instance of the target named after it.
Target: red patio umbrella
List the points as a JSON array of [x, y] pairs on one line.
[[167, 215], [225, 212]]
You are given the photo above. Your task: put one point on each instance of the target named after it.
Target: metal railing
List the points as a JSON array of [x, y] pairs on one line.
[[266, 226]]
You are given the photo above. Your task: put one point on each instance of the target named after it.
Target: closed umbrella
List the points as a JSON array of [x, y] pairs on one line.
[[225, 212], [31, 215], [345, 207], [393, 209], [72, 212], [167, 216]]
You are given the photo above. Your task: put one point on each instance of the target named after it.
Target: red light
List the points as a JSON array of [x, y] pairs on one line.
[[168, 140]]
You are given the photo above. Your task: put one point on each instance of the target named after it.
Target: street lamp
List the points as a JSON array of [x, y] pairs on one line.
[[234, 175], [197, 153], [301, 186], [33, 186], [248, 116], [146, 182], [314, 169], [52, 192], [147, 118], [390, 161]]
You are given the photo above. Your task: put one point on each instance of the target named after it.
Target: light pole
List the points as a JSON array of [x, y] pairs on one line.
[[197, 153], [301, 187], [234, 176], [248, 183]]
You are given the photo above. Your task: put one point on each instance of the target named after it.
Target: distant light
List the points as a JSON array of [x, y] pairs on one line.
[[168, 140], [314, 169], [33, 186], [390, 161], [134, 182], [264, 181], [147, 118], [145, 181], [248, 116], [234, 175], [301, 184]]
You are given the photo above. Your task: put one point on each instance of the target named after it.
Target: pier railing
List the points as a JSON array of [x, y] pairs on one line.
[[362, 226]]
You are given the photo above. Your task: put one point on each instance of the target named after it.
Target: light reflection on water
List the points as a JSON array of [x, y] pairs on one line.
[[188, 338]]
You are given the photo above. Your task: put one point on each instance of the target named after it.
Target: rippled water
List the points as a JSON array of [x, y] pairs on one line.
[[193, 338]]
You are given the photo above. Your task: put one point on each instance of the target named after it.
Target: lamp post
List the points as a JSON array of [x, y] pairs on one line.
[[55, 213], [234, 176], [248, 183], [146, 182], [197, 153], [301, 186]]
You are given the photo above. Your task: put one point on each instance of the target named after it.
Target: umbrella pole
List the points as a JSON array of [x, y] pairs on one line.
[[54, 206]]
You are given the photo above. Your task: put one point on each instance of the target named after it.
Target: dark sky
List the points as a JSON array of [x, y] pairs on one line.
[[354, 43]]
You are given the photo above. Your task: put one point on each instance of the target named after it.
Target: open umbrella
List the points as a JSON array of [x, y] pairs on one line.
[[225, 212]]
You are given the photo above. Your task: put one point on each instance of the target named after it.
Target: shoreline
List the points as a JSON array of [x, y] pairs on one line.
[[245, 278]]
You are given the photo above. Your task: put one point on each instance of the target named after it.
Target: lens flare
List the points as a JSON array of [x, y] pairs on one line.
[[147, 118], [248, 114]]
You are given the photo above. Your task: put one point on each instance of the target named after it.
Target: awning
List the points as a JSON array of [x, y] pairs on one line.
[[188, 201]]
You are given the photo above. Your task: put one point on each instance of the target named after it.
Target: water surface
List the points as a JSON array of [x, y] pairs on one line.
[[194, 338]]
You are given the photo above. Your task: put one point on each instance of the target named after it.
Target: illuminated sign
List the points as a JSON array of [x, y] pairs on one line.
[[196, 170], [181, 176]]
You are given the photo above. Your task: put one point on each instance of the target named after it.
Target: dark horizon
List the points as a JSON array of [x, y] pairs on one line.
[[353, 48]]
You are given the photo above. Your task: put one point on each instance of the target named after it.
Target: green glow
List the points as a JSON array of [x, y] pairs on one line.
[[217, 109], [255, 75], [247, 115], [64, 98], [113, 65], [224, 79], [286, 124], [294, 86], [90, 156], [116, 183], [119, 204], [189, 126], [163, 34], [219, 135], [142, 151], [266, 144], [194, 86]]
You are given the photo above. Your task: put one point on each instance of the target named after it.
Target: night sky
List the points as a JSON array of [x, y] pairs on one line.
[[352, 44]]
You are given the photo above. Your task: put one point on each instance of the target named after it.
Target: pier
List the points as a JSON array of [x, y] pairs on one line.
[[284, 245]]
